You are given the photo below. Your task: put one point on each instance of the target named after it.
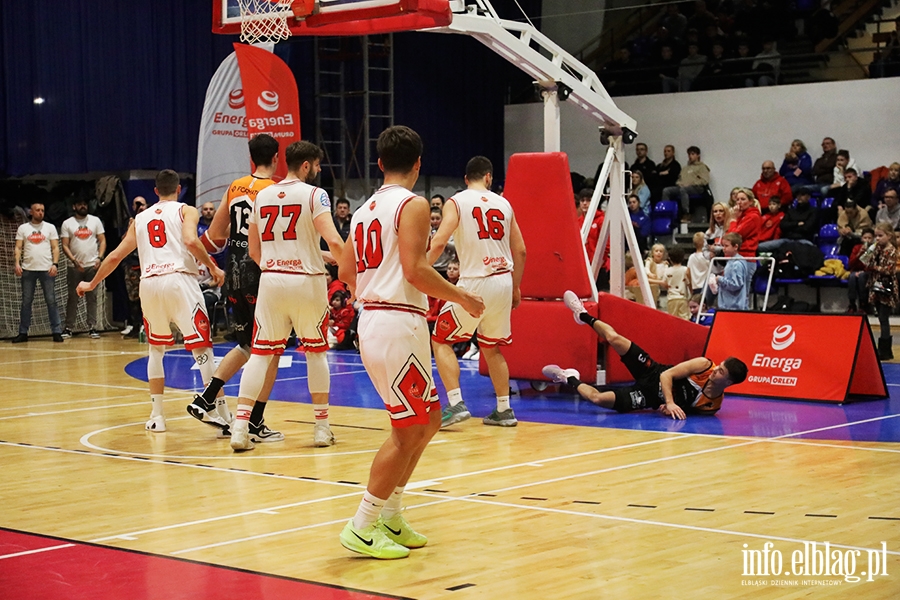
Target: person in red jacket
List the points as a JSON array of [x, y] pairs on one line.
[[342, 314], [772, 184], [747, 222], [770, 226]]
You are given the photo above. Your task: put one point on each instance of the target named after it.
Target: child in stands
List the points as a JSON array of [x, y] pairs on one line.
[[677, 284], [698, 263], [770, 229]]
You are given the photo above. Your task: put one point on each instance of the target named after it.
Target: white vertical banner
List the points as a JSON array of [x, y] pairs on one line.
[[222, 154]]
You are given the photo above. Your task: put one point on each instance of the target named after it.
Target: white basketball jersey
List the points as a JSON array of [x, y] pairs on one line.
[[373, 237], [482, 237], [284, 214], [160, 243]]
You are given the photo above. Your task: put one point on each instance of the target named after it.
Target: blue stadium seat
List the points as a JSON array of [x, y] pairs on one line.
[[828, 234], [662, 226], [826, 203], [665, 208], [812, 202]]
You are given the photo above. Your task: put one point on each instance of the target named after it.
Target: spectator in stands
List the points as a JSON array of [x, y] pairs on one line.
[[854, 189], [690, 67], [642, 164], [438, 201], [891, 182], [857, 289], [666, 173], [584, 203], [732, 198], [734, 284], [741, 67], [674, 22], [851, 222], [449, 253], [655, 267], [341, 315], [882, 285], [770, 184], [719, 223], [698, 263], [702, 18], [131, 267], [746, 224], [677, 284], [211, 292], [766, 66], [694, 307], [715, 74], [619, 75], [639, 221], [207, 212], [342, 217], [37, 259], [887, 61], [889, 211], [797, 166], [823, 168], [693, 180], [639, 188], [841, 164], [770, 227], [798, 224], [666, 69]]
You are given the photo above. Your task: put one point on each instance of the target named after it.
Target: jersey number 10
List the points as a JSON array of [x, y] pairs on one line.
[[369, 252]]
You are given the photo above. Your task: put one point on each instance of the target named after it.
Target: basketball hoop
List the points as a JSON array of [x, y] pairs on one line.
[[265, 20]]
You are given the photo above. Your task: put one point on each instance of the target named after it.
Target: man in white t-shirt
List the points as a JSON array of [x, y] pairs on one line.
[[84, 244], [37, 259]]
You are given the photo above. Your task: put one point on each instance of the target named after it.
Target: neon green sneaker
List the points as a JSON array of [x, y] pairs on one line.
[[399, 530], [371, 541]]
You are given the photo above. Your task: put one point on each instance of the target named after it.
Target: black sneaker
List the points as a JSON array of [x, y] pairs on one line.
[[95, 335], [22, 337], [206, 413], [57, 337], [66, 333]]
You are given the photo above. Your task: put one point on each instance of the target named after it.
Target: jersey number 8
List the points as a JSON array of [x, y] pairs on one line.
[[157, 231]]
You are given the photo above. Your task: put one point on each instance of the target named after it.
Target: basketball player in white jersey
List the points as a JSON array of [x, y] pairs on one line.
[[285, 226], [230, 227], [491, 263], [385, 263], [165, 236]]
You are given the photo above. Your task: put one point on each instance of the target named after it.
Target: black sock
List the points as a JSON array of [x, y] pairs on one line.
[[572, 381], [587, 318], [256, 415], [212, 390]]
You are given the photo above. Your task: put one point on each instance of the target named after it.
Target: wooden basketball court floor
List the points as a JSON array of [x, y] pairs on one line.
[[575, 502]]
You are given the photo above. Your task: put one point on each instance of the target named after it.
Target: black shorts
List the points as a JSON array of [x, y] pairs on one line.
[[242, 305], [644, 393]]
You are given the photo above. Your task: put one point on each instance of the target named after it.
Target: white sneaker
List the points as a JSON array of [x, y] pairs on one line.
[[240, 436], [128, 329], [322, 436], [472, 350], [475, 356], [574, 304], [557, 374], [156, 424]]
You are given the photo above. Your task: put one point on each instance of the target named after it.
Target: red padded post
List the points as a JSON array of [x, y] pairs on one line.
[[539, 187], [668, 339], [544, 333]]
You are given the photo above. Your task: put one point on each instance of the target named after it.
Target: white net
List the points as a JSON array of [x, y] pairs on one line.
[[265, 20], [11, 293]]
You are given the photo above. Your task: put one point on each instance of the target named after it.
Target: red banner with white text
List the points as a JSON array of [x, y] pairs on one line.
[[271, 100], [804, 357]]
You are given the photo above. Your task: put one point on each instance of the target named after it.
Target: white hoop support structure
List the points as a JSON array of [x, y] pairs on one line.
[[265, 20]]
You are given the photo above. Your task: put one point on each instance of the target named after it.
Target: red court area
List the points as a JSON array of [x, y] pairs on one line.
[[35, 566]]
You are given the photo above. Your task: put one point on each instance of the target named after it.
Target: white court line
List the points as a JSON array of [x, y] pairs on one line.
[[134, 534], [836, 446], [39, 550], [258, 537], [102, 385], [88, 408], [86, 352], [85, 441], [100, 399]]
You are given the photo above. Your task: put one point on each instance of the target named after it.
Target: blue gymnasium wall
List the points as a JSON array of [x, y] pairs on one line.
[[124, 84]]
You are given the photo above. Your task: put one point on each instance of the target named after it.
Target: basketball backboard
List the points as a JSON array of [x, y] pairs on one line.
[[347, 17]]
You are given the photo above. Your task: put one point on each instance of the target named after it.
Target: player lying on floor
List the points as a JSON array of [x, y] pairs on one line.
[[694, 386]]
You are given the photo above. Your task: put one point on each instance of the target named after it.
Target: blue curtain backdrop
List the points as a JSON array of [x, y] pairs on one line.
[[124, 84]]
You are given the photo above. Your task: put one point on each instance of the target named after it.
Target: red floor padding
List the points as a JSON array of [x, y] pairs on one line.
[[86, 571]]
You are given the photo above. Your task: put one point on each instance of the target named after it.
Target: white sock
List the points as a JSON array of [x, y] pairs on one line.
[[321, 413], [394, 504], [243, 412], [369, 509], [222, 408], [156, 401], [454, 396], [502, 403]]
